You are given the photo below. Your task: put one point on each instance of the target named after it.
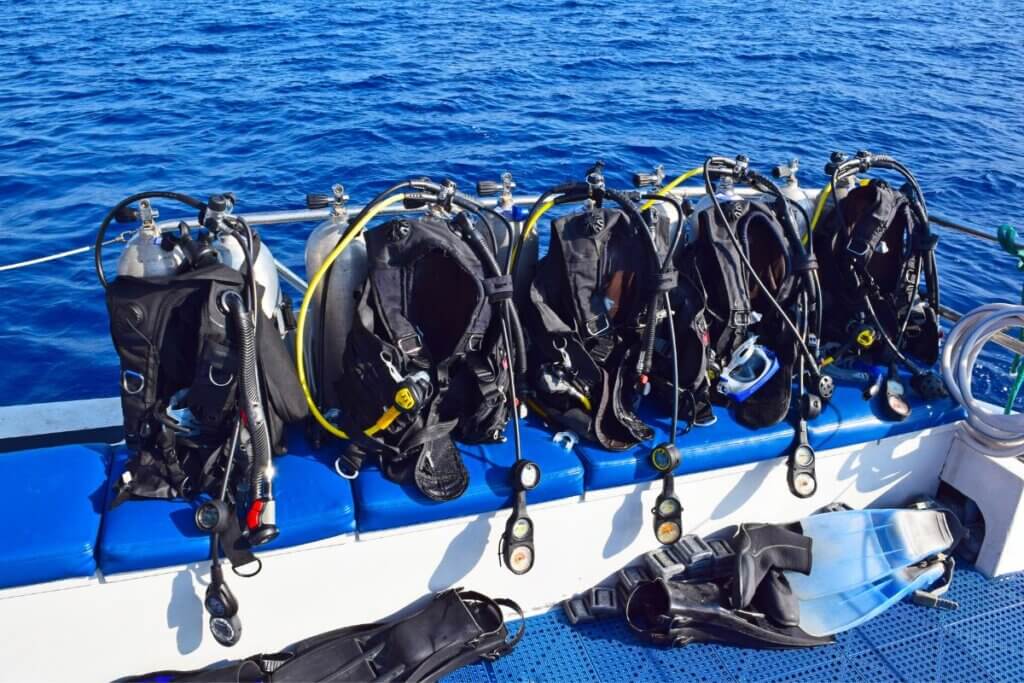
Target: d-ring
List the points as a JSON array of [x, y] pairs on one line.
[[351, 474], [219, 384], [135, 375]]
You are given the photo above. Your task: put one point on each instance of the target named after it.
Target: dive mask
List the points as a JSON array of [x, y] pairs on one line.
[[750, 368]]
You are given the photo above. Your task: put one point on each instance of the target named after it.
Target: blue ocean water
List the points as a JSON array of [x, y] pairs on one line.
[[274, 99]]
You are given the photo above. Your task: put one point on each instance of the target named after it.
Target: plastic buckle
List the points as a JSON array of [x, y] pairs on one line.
[[740, 318], [475, 342], [933, 597]]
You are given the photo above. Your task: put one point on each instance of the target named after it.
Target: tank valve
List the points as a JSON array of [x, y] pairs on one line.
[[787, 171], [655, 178]]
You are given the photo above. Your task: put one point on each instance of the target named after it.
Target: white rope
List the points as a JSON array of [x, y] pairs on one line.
[[64, 254]]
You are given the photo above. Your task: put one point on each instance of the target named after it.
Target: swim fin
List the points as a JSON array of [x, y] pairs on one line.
[[831, 614], [456, 628], [864, 561]]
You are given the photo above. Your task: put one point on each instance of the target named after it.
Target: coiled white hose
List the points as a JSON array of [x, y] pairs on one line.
[[995, 434]]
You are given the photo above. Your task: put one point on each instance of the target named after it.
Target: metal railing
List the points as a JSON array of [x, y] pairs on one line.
[[316, 215]]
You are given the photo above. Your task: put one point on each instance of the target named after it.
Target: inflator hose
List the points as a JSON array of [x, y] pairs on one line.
[[992, 433], [252, 403]]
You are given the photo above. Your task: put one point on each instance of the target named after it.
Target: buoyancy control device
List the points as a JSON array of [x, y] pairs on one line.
[[433, 353], [762, 303], [599, 297], [875, 247], [197, 318], [595, 305]]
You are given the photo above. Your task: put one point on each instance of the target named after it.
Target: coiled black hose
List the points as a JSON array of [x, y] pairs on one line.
[[252, 403]]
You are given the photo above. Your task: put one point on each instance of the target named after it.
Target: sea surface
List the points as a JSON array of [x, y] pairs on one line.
[[273, 99]]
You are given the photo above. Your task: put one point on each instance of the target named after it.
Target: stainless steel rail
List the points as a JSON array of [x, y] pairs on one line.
[[311, 215]]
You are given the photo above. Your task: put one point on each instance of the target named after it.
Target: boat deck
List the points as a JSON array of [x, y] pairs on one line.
[[980, 641]]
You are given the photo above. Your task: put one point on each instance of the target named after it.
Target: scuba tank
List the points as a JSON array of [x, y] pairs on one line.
[[801, 206], [342, 286], [144, 255], [206, 385]]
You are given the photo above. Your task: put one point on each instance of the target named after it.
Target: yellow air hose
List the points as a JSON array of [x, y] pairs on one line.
[[300, 363], [671, 186], [530, 224], [820, 207]]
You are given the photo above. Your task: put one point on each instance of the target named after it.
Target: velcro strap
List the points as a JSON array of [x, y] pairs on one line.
[[665, 281], [498, 288]]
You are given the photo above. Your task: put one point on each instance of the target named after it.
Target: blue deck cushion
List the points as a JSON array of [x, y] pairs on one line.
[[723, 444], [382, 504], [54, 499], [847, 419], [313, 503]]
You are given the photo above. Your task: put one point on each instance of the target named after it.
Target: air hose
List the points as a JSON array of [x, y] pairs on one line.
[[300, 362], [992, 433], [664, 191], [261, 520]]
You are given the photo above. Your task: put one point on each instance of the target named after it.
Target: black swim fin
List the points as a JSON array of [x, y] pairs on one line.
[[456, 628], [675, 613]]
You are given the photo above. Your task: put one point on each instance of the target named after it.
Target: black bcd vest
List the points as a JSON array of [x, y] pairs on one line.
[[590, 299], [881, 251], [426, 317], [735, 308], [179, 358]]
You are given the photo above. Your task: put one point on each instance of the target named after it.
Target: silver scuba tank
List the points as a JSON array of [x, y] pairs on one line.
[[232, 254], [792, 191], [144, 255], [346, 279]]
